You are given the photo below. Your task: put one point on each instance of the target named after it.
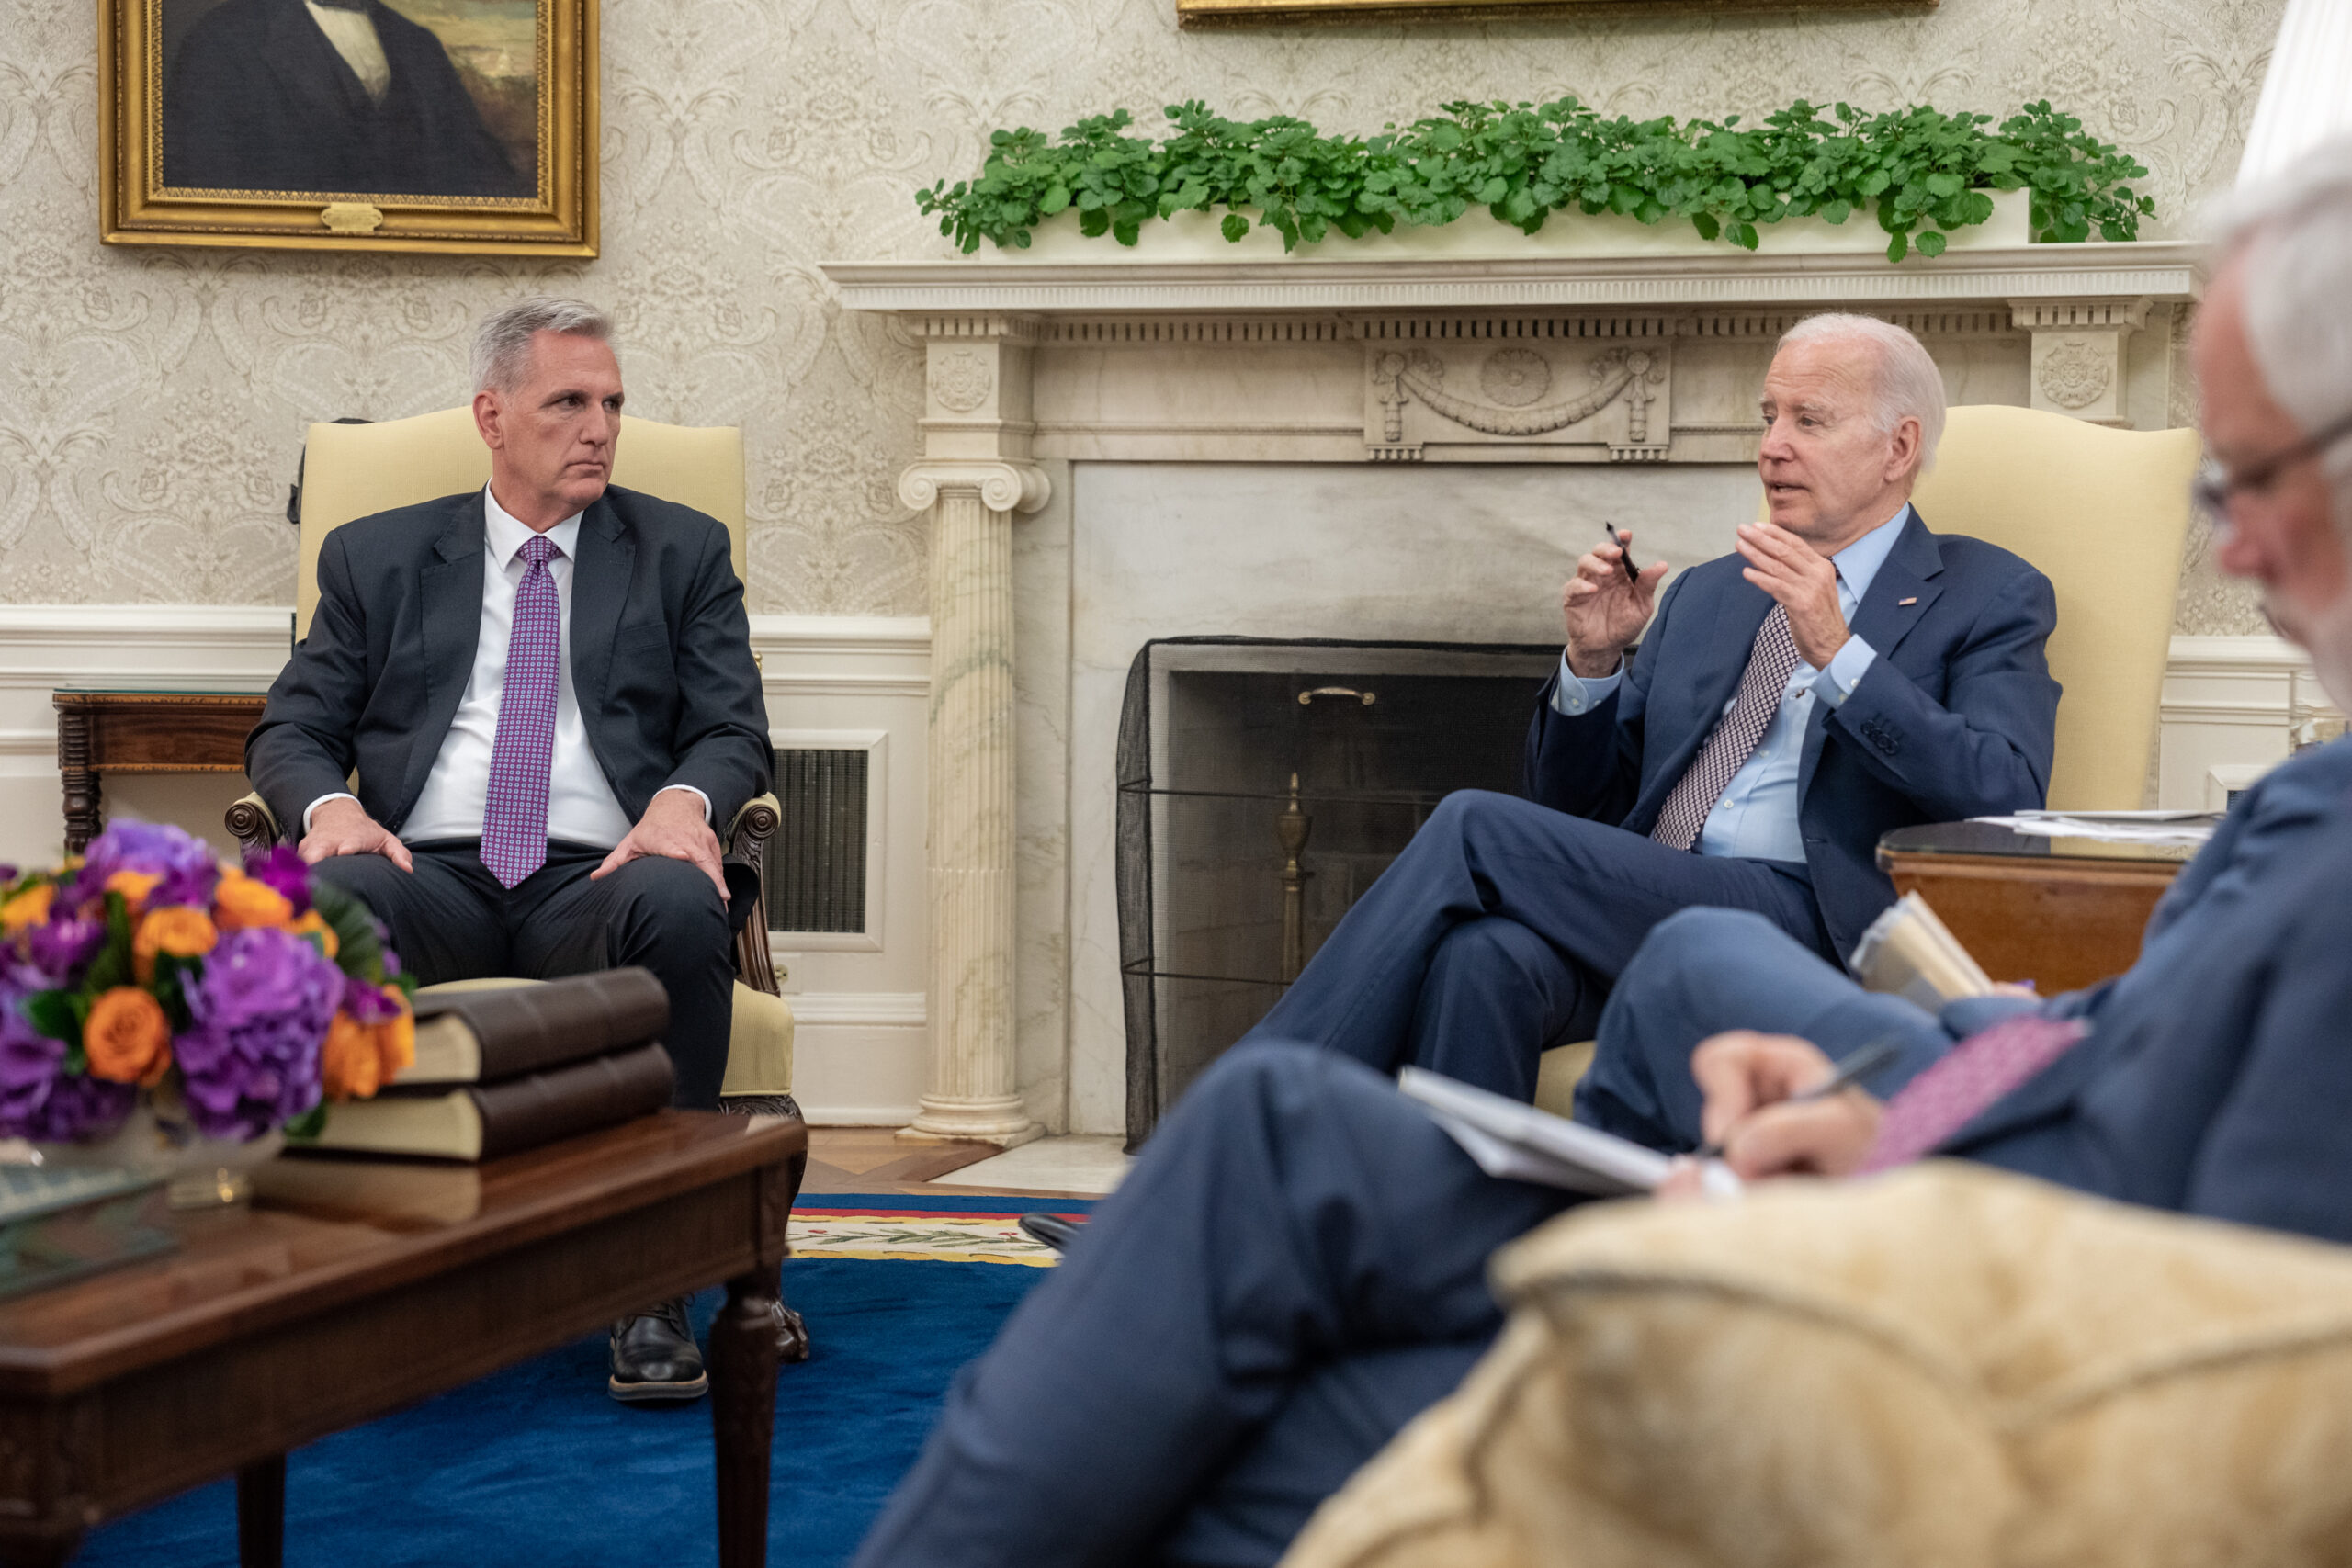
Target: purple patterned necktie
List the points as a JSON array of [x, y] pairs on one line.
[[514, 812], [1963, 1084], [1734, 739]]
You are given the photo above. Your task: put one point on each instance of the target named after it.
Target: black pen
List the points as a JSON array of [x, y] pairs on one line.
[[1631, 574], [1850, 1071]]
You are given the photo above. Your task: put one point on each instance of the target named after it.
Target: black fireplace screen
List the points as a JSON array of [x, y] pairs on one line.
[[1263, 785]]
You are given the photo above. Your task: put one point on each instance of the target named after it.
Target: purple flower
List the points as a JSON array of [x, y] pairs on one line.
[[38, 1100], [60, 945], [250, 1062], [367, 1003], [281, 867], [184, 862]]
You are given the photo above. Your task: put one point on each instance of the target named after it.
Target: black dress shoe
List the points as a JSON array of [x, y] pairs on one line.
[[1053, 1231], [655, 1359], [791, 1334]]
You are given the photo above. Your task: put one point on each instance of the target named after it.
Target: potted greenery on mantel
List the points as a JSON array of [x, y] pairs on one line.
[[1927, 178]]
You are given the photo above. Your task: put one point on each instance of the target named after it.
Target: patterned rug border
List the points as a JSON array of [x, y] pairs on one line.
[[891, 1227]]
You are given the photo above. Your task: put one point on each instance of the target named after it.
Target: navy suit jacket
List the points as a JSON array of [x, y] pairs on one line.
[[2217, 1078], [661, 660], [1955, 718]]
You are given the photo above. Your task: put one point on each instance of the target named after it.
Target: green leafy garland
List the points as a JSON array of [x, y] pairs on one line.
[[1922, 172]]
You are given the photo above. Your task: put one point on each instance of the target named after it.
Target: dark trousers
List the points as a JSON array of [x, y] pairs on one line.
[[1499, 931], [1294, 1268], [451, 920]]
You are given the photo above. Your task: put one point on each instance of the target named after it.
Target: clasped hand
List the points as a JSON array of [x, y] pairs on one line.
[[1803, 581], [1747, 1080]]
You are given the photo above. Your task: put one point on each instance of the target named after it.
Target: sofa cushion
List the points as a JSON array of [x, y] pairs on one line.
[[1946, 1366]]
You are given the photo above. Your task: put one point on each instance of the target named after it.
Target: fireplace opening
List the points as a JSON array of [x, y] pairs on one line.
[[1263, 785]]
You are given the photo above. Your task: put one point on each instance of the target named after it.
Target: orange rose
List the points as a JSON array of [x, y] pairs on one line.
[[175, 928], [396, 1038], [350, 1067], [127, 1038], [28, 908], [313, 924], [239, 903], [134, 887]]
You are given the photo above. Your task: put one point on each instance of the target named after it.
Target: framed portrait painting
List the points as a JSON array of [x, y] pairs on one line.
[[1263, 12], [386, 125]]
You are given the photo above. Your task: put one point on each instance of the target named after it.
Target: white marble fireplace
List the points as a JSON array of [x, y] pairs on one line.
[[1119, 448]]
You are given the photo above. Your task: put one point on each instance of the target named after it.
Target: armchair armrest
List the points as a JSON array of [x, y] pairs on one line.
[[747, 840], [250, 822]]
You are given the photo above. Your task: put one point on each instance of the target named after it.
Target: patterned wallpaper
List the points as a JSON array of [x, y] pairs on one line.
[[151, 402]]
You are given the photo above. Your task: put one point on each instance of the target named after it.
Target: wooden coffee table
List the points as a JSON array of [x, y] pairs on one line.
[[345, 1292]]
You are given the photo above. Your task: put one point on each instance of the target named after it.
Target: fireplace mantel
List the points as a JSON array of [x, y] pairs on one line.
[[1651, 361]]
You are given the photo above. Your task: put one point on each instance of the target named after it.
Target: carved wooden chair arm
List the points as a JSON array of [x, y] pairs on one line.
[[249, 822], [747, 840]]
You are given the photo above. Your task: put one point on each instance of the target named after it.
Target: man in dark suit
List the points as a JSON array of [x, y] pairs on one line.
[[1847, 672], [545, 688], [1295, 1265], [331, 96]]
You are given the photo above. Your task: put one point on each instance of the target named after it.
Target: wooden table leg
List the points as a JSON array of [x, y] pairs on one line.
[[81, 781], [261, 1513], [743, 1413]]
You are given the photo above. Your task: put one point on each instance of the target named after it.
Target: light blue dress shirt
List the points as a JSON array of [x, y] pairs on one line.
[[1757, 818]]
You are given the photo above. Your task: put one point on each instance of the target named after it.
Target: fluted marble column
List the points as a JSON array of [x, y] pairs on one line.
[[970, 1091]]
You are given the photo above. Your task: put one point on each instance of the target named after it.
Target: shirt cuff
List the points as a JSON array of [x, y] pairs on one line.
[[690, 790], [310, 810], [1846, 668], [1574, 694]]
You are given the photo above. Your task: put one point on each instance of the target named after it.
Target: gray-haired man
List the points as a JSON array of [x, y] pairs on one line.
[[545, 688]]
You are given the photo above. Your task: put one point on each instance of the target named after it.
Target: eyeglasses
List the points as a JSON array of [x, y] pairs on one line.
[[2210, 493]]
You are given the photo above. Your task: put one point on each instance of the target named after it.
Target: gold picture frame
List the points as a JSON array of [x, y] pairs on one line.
[[349, 125], [1369, 13]]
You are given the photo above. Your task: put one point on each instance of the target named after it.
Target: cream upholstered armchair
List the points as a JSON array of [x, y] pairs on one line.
[[351, 470], [2103, 513]]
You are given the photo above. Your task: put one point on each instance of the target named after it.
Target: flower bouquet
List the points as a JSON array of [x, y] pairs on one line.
[[159, 1010]]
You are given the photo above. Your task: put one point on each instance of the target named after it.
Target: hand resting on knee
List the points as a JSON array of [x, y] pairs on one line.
[[341, 826], [673, 827]]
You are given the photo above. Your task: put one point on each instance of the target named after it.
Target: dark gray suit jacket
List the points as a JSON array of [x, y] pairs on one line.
[[2218, 1076], [661, 660]]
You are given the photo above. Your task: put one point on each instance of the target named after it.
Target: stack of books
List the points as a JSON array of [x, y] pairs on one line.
[[501, 1071]]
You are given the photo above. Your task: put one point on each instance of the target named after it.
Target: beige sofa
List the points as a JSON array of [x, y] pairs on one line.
[[1948, 1366]]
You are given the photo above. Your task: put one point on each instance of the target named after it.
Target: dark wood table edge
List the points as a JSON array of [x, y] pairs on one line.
[[2080, 867], [743, 1365]]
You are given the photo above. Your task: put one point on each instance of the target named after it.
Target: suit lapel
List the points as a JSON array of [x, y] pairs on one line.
[[450, 585], [1898, 599], [599, 592], [312, 71]]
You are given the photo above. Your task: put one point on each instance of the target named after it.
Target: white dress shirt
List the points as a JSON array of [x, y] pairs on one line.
[[1756, 817], [581, 807], [353, 33]]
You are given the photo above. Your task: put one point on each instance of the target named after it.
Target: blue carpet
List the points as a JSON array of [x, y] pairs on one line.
[[535, 1465]]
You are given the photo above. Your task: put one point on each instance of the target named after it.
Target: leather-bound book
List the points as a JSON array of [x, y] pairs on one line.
[[484, 1121], [485, 1036]]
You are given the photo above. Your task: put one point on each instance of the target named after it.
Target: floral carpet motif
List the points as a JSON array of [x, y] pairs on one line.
[[958, 1230]]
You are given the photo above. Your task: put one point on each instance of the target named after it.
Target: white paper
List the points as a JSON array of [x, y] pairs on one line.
[[1527, 1145], [2112, 828]]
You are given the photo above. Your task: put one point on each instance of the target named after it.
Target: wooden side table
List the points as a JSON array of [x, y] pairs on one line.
[[2062, 913], [103, 732]]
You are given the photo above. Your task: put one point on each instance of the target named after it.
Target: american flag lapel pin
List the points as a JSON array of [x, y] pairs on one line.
[[1913, 600]]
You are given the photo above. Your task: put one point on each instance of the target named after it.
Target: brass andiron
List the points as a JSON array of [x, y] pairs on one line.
[[1292, 827]]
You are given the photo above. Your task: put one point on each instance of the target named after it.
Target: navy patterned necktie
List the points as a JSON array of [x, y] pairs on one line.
[[514, 810], [1734, 739]]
